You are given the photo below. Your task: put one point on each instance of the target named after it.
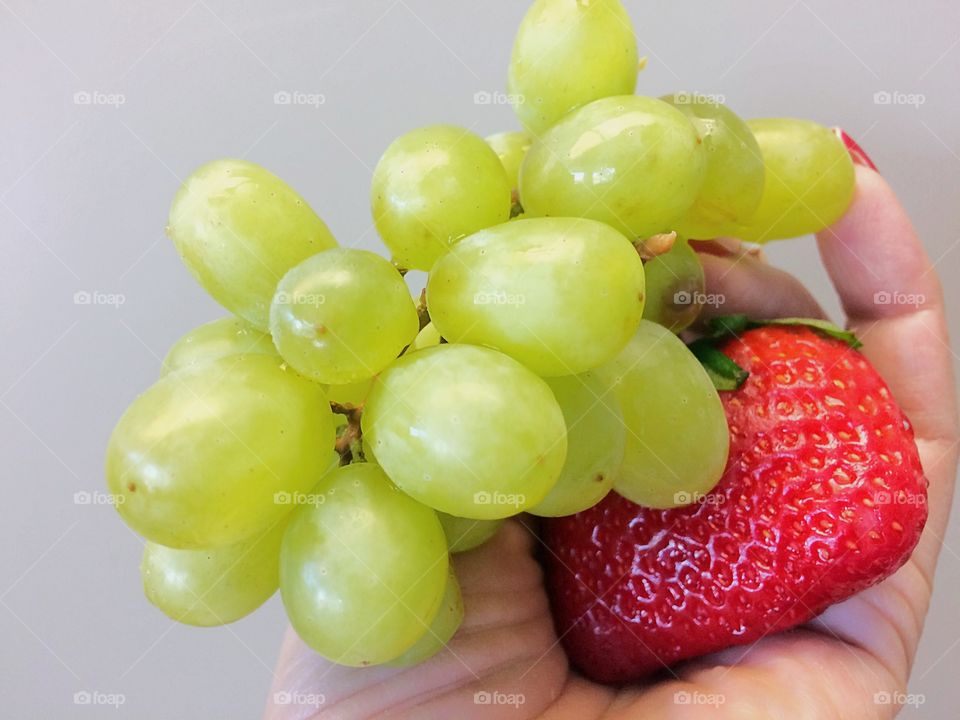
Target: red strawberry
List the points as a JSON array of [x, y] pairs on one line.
[[823, 496]]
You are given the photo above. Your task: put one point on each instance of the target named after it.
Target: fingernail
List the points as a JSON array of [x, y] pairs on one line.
[[856, 152]]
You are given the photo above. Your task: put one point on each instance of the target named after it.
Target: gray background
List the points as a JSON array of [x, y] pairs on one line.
[[84, 192]]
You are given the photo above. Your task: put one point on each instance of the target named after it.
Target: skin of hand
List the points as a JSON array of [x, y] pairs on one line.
[[830, 668]]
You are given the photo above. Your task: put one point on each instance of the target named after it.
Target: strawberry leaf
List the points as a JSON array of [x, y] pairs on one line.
[[724, 372], [825, 327]]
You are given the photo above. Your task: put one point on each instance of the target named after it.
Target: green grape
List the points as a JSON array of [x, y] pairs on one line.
[[595, 444], [561, 295], [466, 533], [466, 430], [676, 288], [200, 459], [220, 338], [432, 187], [342, 316], [427, 337], [213, 586], [677, 438], [809, 183], [363, 569], [734, 178], [239, 228], [350, 394], [444, 626], [635, 163], [511, 148], [568, 53]]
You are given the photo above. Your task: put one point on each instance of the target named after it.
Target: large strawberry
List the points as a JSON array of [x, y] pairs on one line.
[[823, 495]]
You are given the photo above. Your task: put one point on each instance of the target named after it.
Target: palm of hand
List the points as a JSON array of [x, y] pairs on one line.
[[845, 663]]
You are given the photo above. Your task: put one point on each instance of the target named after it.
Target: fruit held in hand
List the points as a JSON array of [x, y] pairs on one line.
[[823, 496]]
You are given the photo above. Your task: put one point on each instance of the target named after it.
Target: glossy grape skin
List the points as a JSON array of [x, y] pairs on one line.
[[342, 316], [561, 295], [677, 437], [219, 338], [595, 444], [197, 460], [432, 187], [511, 147], [427, 337], [676, 287], [598, 162], [734, 178], [809, 179], [364, 569], [466, 430], [568, 53], [465, 534], [444, 626], [239, 228], [213, 586]]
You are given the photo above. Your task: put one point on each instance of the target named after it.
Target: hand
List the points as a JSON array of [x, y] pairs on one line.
[[832, 667]]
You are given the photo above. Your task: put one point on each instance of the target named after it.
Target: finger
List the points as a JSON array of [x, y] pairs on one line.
[[744, 284], [506, 644], [894, 302]]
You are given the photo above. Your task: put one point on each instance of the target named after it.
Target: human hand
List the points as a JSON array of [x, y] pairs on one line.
[[831, 667]]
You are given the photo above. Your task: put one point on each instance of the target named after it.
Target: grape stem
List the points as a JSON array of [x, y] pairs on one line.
[[423, 314], [348, 444]]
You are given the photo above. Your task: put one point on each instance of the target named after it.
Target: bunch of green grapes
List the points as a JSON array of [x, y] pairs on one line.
[[338, 440]]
